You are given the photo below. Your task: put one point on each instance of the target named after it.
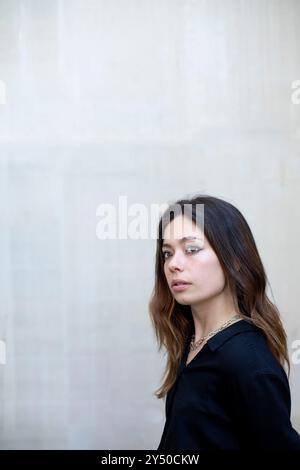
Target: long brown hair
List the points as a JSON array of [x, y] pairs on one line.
[[231, 238]]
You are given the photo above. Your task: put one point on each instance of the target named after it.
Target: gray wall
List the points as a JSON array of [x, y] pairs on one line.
[[152, 99]]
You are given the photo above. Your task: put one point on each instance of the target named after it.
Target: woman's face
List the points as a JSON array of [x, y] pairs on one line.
[[193, 261]]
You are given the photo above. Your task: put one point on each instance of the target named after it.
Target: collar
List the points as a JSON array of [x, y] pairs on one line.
[[222, 336]]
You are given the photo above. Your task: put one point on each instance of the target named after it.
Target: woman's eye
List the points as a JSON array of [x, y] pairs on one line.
[[189, 250], [193, 250]]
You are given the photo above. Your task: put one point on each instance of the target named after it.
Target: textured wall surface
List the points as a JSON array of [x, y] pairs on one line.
[[152, 99]]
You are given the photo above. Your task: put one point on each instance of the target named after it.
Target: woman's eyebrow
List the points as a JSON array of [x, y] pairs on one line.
[[181, 240]]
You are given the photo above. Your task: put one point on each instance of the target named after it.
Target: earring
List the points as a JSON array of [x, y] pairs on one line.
[[171, 308]]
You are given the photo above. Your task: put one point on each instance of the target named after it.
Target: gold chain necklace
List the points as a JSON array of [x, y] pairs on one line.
[[194, 346]]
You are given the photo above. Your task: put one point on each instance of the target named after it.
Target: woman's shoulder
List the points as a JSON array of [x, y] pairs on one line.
[[247, 352]]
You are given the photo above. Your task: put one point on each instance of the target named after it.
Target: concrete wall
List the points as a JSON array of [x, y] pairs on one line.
[[152, 99]]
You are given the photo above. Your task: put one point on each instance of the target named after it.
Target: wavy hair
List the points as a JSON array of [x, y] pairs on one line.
[[231, 238]]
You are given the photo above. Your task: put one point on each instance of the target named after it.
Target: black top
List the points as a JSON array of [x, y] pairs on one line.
[[233, 394]]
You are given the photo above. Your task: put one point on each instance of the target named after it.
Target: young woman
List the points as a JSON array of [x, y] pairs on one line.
[[225, 384]]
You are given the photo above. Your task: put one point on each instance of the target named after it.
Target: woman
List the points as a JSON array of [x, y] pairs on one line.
[[225, 384]]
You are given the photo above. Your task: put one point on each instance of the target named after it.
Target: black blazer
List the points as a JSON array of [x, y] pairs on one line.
[[233, 394]]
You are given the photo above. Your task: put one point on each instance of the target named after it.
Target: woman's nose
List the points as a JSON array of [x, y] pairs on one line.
[[177, 261]]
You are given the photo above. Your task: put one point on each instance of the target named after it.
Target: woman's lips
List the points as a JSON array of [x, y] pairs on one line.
[[180, 287]]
